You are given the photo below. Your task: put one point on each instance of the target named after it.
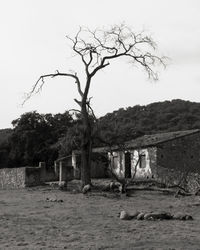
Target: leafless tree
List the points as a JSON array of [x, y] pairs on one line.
[[97, 49]]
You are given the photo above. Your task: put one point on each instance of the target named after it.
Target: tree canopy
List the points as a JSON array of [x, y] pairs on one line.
[[35, 135]]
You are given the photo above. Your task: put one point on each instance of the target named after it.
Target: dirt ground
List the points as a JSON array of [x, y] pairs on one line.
[[28, 221]]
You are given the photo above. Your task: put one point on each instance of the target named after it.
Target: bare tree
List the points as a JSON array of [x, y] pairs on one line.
[[97, 49]]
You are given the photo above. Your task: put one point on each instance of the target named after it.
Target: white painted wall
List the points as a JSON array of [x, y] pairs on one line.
[[140, 172], [117, 160]]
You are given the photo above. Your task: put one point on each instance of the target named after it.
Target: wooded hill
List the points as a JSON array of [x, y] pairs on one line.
[[153, 118], [44, 137]]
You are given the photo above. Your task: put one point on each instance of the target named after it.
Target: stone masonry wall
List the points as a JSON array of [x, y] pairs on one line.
[[12, 178], [178, 162], [172, 177], [180, 154]]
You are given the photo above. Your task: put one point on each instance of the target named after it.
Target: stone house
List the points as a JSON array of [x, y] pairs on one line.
[[168, 157], [172, 158]]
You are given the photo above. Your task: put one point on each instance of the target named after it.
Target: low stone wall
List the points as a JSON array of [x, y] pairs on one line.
[[193, 182], [189, 181], [12, 178]]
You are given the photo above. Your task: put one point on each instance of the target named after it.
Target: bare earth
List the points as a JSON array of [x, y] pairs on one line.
[[28, 221]]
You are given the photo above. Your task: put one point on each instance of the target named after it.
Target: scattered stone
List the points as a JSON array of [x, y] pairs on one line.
[[86, 188], [188, 217], [148, 216], [154, 216], [167, 216], [181, 216], [140, 216], [125, 216], [113, 186], [135, 214], [53, 200], [158, 216]]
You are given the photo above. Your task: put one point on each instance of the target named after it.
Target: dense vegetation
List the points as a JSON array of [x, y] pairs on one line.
[[43, 137], [157, 117], [34, 138], [4, 147]]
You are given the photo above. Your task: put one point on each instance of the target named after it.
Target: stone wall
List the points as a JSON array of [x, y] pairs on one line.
[[34, 176], [193, 182], [178, 162], [172, 177], [12, 178], [180, 154]]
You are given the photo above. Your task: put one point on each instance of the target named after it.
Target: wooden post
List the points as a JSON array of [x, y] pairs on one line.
[[74, 164], [56, 169], [60, 172]]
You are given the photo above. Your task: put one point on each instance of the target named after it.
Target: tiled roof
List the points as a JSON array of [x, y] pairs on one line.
[[149, 140]]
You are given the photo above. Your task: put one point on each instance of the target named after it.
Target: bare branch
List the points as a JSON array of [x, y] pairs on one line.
[[101, 66], [37, 87], [74, 110], [78, 102]]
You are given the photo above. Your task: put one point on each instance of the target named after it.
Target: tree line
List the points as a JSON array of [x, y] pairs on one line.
[[45, 137], [34, 138]]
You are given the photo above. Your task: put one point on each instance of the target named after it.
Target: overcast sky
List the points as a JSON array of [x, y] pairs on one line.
[[33, 42]]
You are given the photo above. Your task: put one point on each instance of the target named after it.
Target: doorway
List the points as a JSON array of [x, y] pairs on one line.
[[127, 165]]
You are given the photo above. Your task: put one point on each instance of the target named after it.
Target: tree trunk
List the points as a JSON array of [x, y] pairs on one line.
[[86, 148], [85, 164]]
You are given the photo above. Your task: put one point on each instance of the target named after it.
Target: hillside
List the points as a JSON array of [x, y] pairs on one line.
[[153, 118]]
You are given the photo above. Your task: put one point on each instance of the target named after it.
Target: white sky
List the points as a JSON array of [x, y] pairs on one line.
[[33, 42]]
